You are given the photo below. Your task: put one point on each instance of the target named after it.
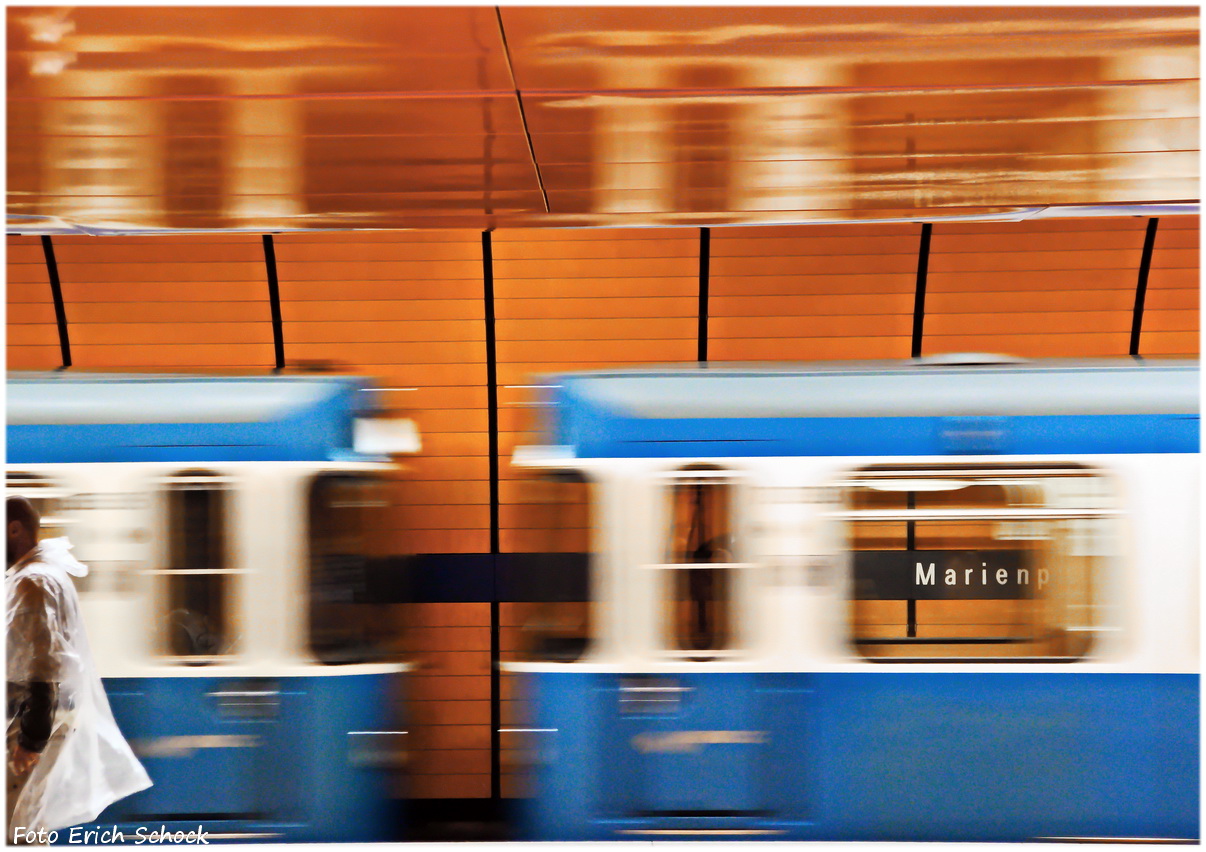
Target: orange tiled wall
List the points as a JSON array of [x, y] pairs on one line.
[[812, 293], [190, 302], [1055, 288], [33, 338]]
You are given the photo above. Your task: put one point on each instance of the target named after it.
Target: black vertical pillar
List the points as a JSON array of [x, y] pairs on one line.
[[1145, 265], [492, 426], [274, 300], [56, 291], [911, 544], [923, 265], [705, 257]]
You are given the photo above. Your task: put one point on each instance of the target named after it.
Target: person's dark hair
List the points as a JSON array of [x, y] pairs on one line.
[[20, 509]]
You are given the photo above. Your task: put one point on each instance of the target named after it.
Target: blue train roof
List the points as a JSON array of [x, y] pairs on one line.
[[879, 408], [82, 417]]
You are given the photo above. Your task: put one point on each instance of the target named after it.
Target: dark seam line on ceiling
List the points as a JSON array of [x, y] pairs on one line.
[[56, 291], [492, 427], [274, 300], [1145, 265], [705, 256], [923, 265], [522, 115]]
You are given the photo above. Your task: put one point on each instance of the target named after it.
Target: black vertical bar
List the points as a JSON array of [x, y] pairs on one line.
[[274, 299], [705, 256], [1145, 265], [911, 544], [495, 696], [56, 290], [923, 265], [491, 384], [492, 421]]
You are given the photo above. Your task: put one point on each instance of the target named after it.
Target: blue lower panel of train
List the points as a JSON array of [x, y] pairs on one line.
[[884, 755], [274, 759]]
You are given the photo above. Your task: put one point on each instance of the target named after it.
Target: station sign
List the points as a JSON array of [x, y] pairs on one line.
[[947, 575]]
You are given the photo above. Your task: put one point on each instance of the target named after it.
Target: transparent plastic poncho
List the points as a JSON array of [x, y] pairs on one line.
[[87, 764]]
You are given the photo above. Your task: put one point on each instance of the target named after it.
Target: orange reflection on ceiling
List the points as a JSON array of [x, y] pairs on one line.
[[273, 118]]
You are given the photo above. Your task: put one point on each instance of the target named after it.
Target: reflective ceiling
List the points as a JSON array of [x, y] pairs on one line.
[[202, 118]]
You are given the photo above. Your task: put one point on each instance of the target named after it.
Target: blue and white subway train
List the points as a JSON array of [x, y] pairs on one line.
[[228, 526], [920, 601]]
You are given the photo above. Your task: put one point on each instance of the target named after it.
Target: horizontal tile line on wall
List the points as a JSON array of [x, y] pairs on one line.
[[936, 253], [224, 265], [757, 233], [1004, 335], [1046, 312], [615, 340], [185, 306]]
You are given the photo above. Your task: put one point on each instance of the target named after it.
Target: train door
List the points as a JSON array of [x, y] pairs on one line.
[[196, 721], [691, 729], [968, 564]]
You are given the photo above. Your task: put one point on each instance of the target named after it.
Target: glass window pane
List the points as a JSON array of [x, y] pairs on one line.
[[197, 547], [700, 535], [975, 562], [346, 524], [555, 541]]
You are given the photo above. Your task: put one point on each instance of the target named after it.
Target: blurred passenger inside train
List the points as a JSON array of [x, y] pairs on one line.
[[66, 759]]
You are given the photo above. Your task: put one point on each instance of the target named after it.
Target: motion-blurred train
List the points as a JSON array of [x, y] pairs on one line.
[[940, 600], [228, 524]]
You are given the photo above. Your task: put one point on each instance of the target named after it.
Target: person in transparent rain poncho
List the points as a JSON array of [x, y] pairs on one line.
[[67, 759]]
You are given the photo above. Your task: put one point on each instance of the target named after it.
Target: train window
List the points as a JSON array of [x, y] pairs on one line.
[[701, 554], [956, 562], [553, 544], [347, 534], [197, 572]]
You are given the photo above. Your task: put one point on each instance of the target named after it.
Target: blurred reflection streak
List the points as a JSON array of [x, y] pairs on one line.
[[266, 178], [738, 95], [49, 28], [106, 177], [894, 31], [630, 177], [42, 64], [791, 142]]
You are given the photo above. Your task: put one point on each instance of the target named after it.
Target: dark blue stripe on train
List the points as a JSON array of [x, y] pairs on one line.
[[876, 755]]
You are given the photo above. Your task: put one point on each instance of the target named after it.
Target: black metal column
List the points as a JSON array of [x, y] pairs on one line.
[[274, 300], [492, 425], [56, 291], [705, 258], [911, 544], [1145, 265], [923, 265]]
